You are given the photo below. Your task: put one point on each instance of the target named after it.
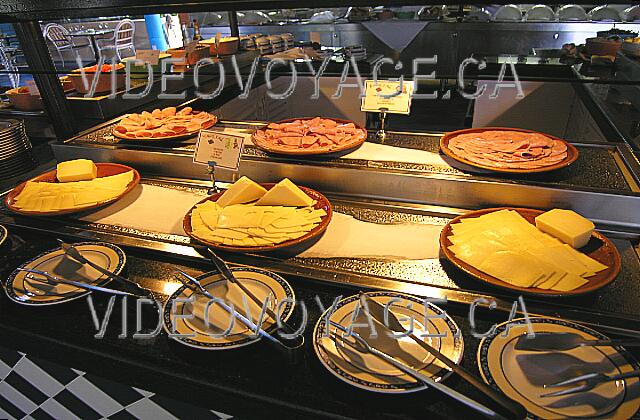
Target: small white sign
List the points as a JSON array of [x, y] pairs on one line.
[[391, 95], [222, 148], [148, 56]]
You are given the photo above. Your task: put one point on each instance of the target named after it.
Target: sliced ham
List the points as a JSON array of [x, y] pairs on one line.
[[321, 135], [509, 149]]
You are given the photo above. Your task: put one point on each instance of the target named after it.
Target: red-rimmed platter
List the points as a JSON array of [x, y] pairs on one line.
[[481, 162], [261, 140], [599, 248], [321, 202], [104, 170]]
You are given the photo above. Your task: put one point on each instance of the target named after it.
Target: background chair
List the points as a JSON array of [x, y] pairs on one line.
[[8, 63], [122, 39], [59, 36]]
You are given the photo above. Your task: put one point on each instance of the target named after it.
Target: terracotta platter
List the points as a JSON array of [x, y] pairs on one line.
[[321, 203], [104, 169], [520, 161], [599, 248]]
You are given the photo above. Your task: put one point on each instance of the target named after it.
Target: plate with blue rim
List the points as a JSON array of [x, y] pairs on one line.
[[190, 319], [523, 375], [366, 371], [36, 293]]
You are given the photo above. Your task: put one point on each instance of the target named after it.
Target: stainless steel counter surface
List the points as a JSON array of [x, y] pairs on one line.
[[603, 184]]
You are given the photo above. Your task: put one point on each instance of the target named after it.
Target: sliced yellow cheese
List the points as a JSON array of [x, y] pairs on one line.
[[285, 193], [76, 170], [242, 191], [511, 267], [566, 225], [569, 282]]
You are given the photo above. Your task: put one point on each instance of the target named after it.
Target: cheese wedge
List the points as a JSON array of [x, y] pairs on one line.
[[76, 170], [242, 191], [566, 225], [285, 193]]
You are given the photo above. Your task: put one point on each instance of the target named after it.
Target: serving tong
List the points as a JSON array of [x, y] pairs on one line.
[[223, 268], [391, 323], [194, 285], [71, 252], [48, 278], [360, 346]]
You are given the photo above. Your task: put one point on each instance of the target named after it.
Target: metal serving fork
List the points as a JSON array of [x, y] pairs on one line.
[[591, 380]]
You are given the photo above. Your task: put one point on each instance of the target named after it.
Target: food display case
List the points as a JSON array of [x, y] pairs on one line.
[[344, 214]]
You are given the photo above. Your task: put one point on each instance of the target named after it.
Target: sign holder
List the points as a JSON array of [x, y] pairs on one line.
[[211, 170], [381, 135], [386, 97]]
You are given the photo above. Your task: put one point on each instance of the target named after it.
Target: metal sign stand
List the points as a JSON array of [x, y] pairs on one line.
[[211, 170], [381, 135]]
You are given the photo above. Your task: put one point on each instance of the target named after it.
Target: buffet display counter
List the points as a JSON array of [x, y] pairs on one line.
[[378, 184]]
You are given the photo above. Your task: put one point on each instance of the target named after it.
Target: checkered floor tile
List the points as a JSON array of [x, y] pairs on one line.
[[36, 389]]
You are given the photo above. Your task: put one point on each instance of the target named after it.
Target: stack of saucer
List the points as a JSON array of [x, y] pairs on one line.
[[15, 149]]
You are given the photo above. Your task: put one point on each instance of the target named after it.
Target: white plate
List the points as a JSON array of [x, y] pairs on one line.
[[54, 261], [522, 375], [3, 235], [195, 332], [371, 373]]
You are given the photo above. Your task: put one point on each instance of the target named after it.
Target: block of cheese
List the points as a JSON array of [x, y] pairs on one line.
[[285, 193], [242, 191], [566, 225], [76, 170]]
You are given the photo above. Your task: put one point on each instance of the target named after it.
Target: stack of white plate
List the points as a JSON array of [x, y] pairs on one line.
[[15, 149]]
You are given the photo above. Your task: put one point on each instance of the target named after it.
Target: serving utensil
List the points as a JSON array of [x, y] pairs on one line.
[[561, 341], [193, 284], [223, 268], [359, 345], [591, 381], [54, 280], [71, 252], [392, 323]]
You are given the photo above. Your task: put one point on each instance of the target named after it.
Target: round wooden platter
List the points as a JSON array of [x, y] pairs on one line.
[[269, 148], [572, 152], [180, 136], [321, 203], [104, 169], [599, 248]]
